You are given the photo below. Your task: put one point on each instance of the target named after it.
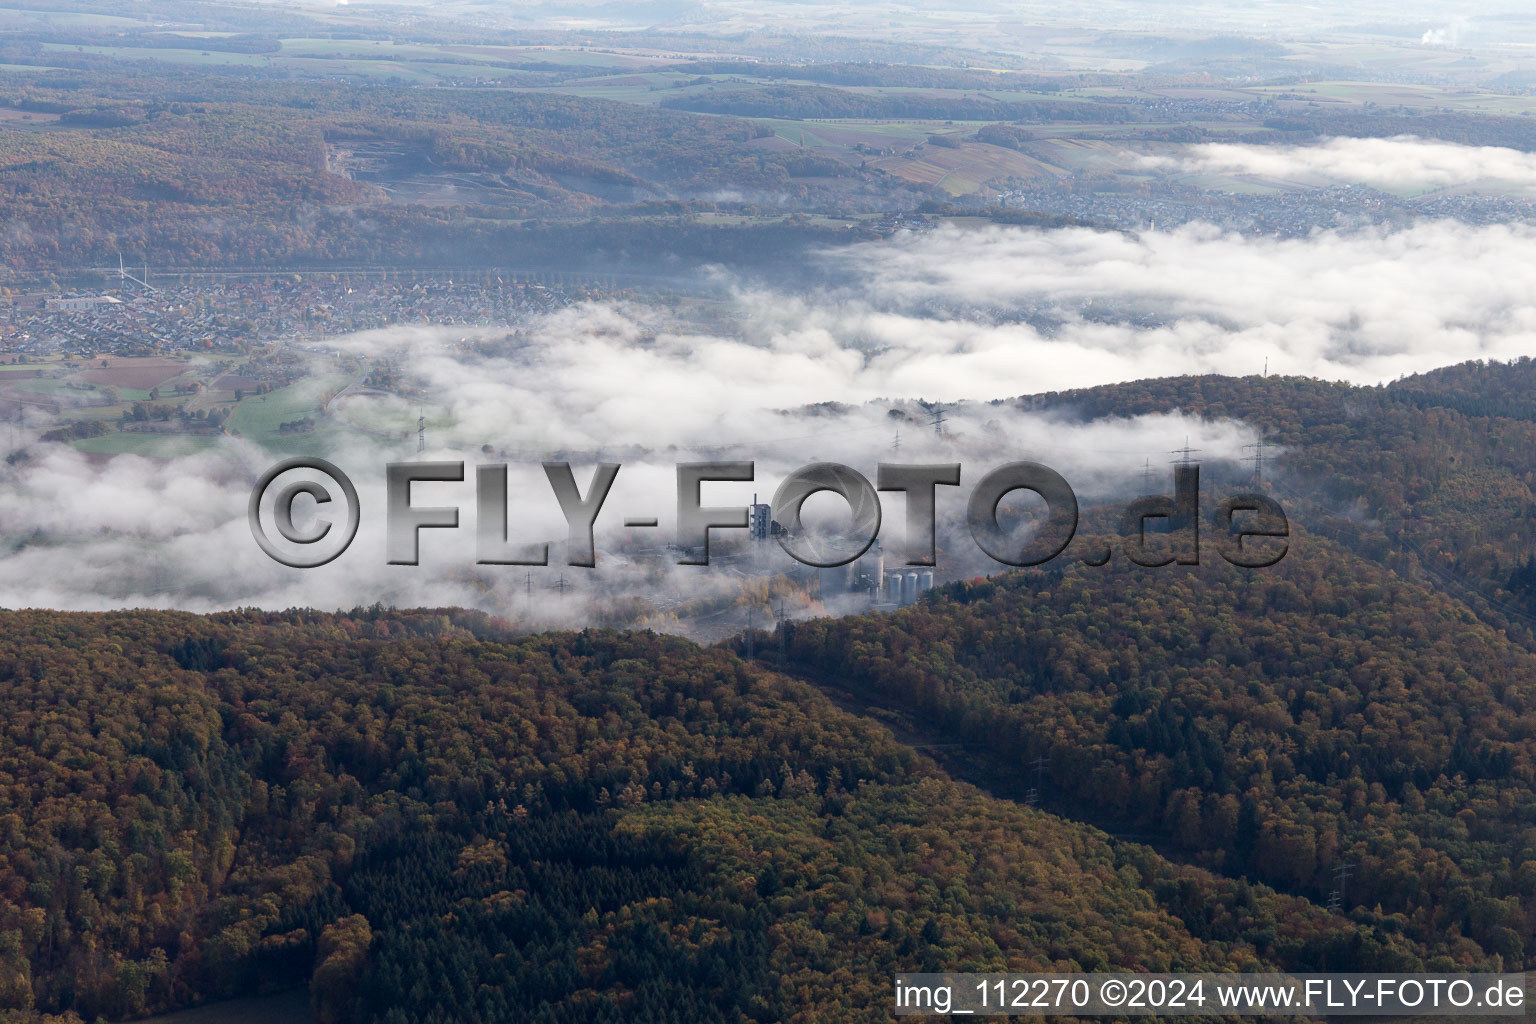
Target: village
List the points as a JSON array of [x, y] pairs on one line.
[[160, 366], [139, 315]]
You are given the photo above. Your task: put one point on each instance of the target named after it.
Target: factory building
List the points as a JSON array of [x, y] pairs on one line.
[[80, 303], [866, 571], [865, 576], [904, 587], [760, 522]]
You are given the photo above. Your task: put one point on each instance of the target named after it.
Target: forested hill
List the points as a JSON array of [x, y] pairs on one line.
[[424, 818], [1433, 476], [1368, 702], [221, 171], [1272, 724], [425, 821]]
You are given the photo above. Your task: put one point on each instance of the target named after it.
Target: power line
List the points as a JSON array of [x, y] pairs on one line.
[[1039, 764], [782, 628], [1257, 458], [124, 275], [1341, 894]]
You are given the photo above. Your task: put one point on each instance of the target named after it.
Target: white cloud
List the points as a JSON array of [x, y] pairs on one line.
[[1366, 306], [1446, 35], [1401, 162], [947, 315]]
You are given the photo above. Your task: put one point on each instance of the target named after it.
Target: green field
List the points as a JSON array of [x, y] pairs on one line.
[[344, 48], [46, 386], [259, 416], [56, 386], [154, 446], [367, 58], [574, 58], [1404, 94], [170, 56], [66, 19], [98, 412]]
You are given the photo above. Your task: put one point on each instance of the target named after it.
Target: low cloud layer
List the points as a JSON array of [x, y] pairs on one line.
[[1022, 311], [1402, 162], [834, 373]]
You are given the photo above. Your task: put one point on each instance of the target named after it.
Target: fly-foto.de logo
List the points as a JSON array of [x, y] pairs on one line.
[[1250, 529]]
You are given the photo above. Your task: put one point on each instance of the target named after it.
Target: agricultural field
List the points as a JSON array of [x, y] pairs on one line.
[[965, 169], [187, 403], [1401, 94], [135, 374], [168, 56], [153, 446], [371, 58], [126, 379], [13, 18], [260, 418]]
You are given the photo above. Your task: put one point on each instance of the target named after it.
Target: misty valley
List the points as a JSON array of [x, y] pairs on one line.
[[584, 512]]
